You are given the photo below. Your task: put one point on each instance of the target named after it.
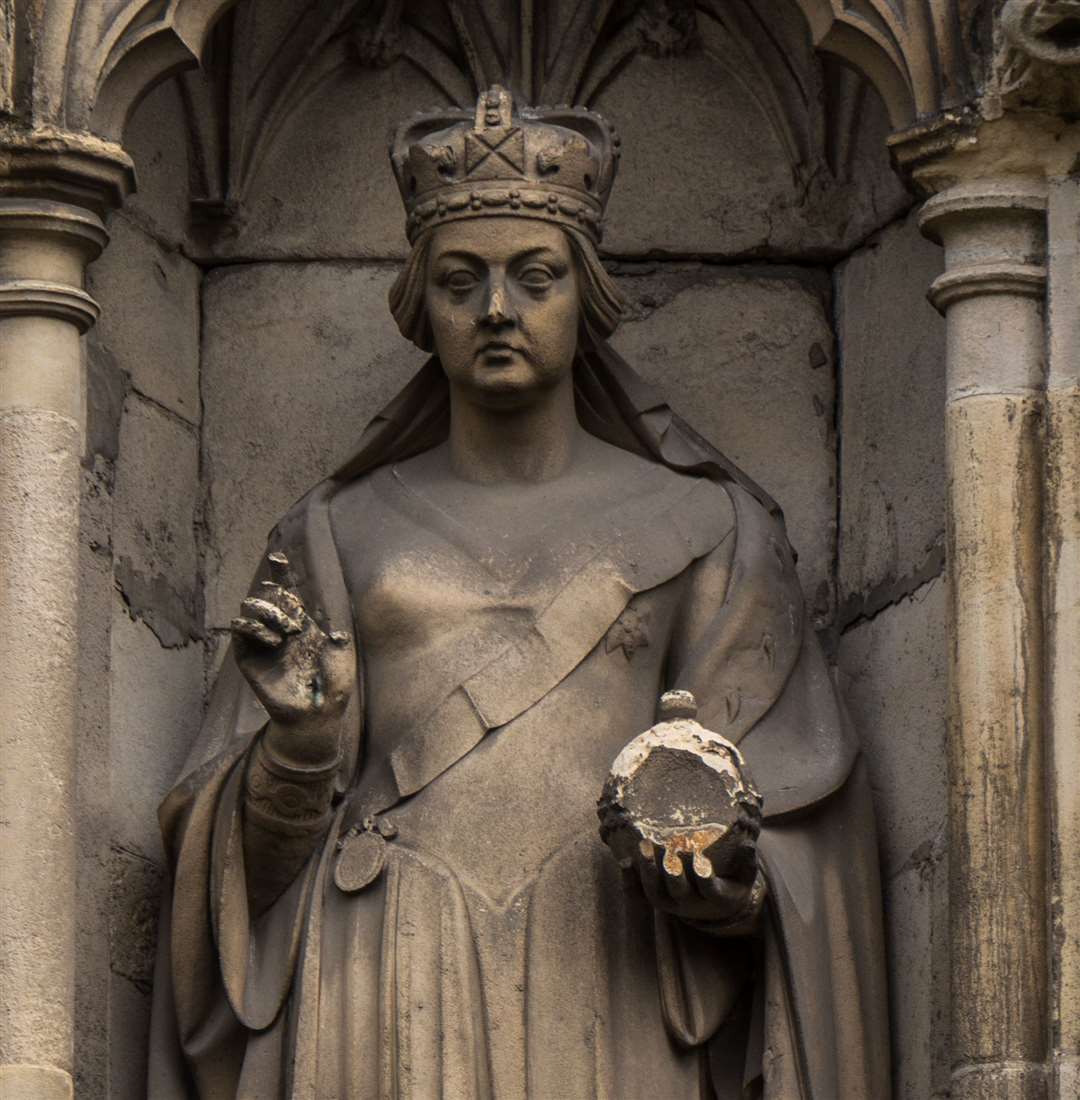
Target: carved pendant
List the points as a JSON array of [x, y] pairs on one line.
[[360, 861]]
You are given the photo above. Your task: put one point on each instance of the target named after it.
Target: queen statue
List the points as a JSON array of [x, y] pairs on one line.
[[389, 880]]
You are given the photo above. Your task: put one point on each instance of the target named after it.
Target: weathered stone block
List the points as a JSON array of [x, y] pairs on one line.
[[893, 675], [708, 170], [157, 137], [129, 1040], [149, 326], [106, 389], [134, 900], [893, 671], [156, 704], [154, 512], [892, 509], [916, 924], [323, 186], [746, 360], [298, 358], [92, 803]]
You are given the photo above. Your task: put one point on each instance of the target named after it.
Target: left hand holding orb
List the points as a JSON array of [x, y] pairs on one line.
[[680, 810]]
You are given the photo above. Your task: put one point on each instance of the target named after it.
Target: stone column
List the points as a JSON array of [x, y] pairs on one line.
[[992, 293], [1062, 523], [45, 245]]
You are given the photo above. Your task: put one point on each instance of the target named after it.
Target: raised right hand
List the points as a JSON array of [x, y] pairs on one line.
[[300, 673]]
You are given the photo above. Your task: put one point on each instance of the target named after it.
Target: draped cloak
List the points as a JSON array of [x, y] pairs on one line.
[[390, 994]]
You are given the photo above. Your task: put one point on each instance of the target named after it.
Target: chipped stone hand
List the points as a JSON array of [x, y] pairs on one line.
[[300, 673], [684, 884], [681, 814]]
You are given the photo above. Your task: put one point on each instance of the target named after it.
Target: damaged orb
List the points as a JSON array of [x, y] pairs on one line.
[[686, 790]]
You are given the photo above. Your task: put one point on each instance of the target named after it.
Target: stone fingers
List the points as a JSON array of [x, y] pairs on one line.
[[271, 615], [284, 598], [252, 630], [672, 873]]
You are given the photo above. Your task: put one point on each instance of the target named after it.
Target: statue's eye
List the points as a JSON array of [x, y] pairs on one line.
[[536, 277], [461, 280]]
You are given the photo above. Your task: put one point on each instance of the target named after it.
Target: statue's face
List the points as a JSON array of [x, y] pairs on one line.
[[502, 300]]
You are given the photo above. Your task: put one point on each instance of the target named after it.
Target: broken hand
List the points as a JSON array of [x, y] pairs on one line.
[[300, 673]]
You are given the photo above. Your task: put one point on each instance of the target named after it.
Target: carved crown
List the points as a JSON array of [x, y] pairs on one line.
[[555, 164]]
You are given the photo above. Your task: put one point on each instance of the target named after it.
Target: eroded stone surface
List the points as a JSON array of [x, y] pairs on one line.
[[916, 930], [746, 359], [134, 900], [324, 187], [92, 796], [149, 325], [156, 707], [298, 358], [154, 513], [158, 140], [893, 672], [740, 191], [892, 509]]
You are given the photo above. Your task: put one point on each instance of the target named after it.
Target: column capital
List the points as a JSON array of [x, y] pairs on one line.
[[47, 247], [61, 166], [965, 147], [993, 233], [56, 188]]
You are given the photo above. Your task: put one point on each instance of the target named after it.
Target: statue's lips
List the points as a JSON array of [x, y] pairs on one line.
[[497, 348]]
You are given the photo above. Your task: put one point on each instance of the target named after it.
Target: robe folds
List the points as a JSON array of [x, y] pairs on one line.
[[501, 954]]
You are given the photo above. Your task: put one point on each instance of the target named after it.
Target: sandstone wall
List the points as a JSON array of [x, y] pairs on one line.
[[240, 356]]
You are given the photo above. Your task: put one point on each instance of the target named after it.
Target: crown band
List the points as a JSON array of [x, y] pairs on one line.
[[561, 206]]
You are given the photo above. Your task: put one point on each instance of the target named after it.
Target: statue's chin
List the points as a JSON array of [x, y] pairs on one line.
[[507, 382]]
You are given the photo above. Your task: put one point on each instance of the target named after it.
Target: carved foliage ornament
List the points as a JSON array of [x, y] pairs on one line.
[[1046, 30]]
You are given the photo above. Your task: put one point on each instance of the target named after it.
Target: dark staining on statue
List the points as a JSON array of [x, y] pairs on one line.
[[532, 586]]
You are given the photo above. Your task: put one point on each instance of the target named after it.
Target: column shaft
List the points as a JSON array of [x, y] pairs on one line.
[[1063, 619], [44, 247], [992, 295]]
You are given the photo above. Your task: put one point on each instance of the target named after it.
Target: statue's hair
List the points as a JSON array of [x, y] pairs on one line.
[[602, 303]]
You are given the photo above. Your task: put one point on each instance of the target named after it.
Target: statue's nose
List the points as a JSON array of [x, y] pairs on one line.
[[498, 310]]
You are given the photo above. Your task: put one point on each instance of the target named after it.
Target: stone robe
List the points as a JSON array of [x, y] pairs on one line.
[[501, 954]]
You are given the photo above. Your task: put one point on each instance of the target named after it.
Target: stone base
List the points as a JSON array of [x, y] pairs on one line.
[[35, 1083]]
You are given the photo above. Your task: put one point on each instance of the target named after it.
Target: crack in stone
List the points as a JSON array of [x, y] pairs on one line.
[[860, 608]]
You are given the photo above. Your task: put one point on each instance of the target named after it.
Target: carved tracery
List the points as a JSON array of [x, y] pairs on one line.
[[99, 59]]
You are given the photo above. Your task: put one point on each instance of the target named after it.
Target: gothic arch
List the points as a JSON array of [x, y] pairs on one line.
[[908, 50], [141, 46]]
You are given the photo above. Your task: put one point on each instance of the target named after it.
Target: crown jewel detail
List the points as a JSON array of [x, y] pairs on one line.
[[557, 164]]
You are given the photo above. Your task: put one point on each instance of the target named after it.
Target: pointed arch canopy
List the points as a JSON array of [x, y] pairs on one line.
[[101, 59]]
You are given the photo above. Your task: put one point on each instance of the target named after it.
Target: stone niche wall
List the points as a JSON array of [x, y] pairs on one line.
[[141, 682], [776, 296]]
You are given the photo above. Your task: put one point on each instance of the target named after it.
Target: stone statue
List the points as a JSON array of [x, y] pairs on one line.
[[388, 876]]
